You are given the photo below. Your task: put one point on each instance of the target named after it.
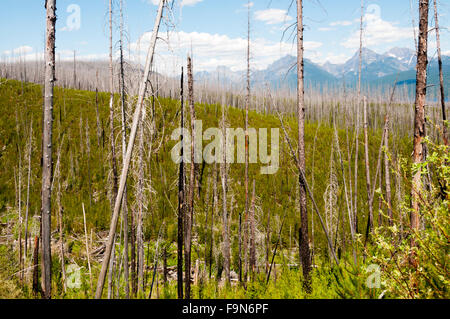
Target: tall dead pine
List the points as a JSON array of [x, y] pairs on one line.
[[419, 119], [247, 102], [124, 147], [112, 139], [181, 200], [224, 173], [441, 74], [190, 213], [305, 254], [252, 259], [358, 106], [387, 172], [47, 166], [367, 165]]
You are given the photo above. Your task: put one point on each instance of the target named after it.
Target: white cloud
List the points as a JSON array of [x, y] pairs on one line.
[[272, 16], [21, 52], [248, 5], [25, 49], [190, 2], [341, 23], [213, 50], [27, 53], [184, 3], [326, 29], [378, 31], [336, 58]]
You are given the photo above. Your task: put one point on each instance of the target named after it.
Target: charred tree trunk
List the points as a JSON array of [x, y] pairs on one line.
[[441, 74], [99, 130], [224, 173], [111, 108], [112, 141], [27, 208], [252, 236], [181, 200], [190, 212], [213, 213], [419, 120], [358, 106], [140, 217], [47, 166], [124, 147], [247, 102], [134, 278], [367, 164], [305, 254], [36, 266], [387, 172]]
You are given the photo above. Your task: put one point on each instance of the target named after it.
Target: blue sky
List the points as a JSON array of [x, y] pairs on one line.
[[216, 30]]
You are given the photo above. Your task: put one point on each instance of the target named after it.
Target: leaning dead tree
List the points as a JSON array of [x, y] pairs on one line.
[[305, 254], [441, 74], [130, 146], [47, 165], [419, 120]]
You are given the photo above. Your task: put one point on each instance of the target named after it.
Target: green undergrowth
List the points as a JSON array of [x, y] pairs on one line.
[[85, 178]]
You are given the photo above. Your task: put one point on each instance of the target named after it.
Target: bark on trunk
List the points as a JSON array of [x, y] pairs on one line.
[[124, 147], [190, 213], [367, 164], [419, 120], [247, 102], [252, 235], [112, 141], [47, 166], [181, 200], [358, 104], [387, 172], [441, 74], [226, 239], [305, 253]]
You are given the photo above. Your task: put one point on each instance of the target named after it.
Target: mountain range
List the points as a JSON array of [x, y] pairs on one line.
[[377, 70]]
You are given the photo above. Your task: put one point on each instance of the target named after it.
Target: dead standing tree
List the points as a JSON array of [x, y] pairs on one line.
[[181, 201], [367, 165], [112, 140], [358, 106], [252, 230], [190, 205], [305, 254], [441, 74], [224, 178], [47, 164], [419, 119], [130, 146], [247, 102], [124, 147], [111, 107]]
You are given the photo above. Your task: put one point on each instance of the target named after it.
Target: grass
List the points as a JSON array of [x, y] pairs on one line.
[[86, 178]]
